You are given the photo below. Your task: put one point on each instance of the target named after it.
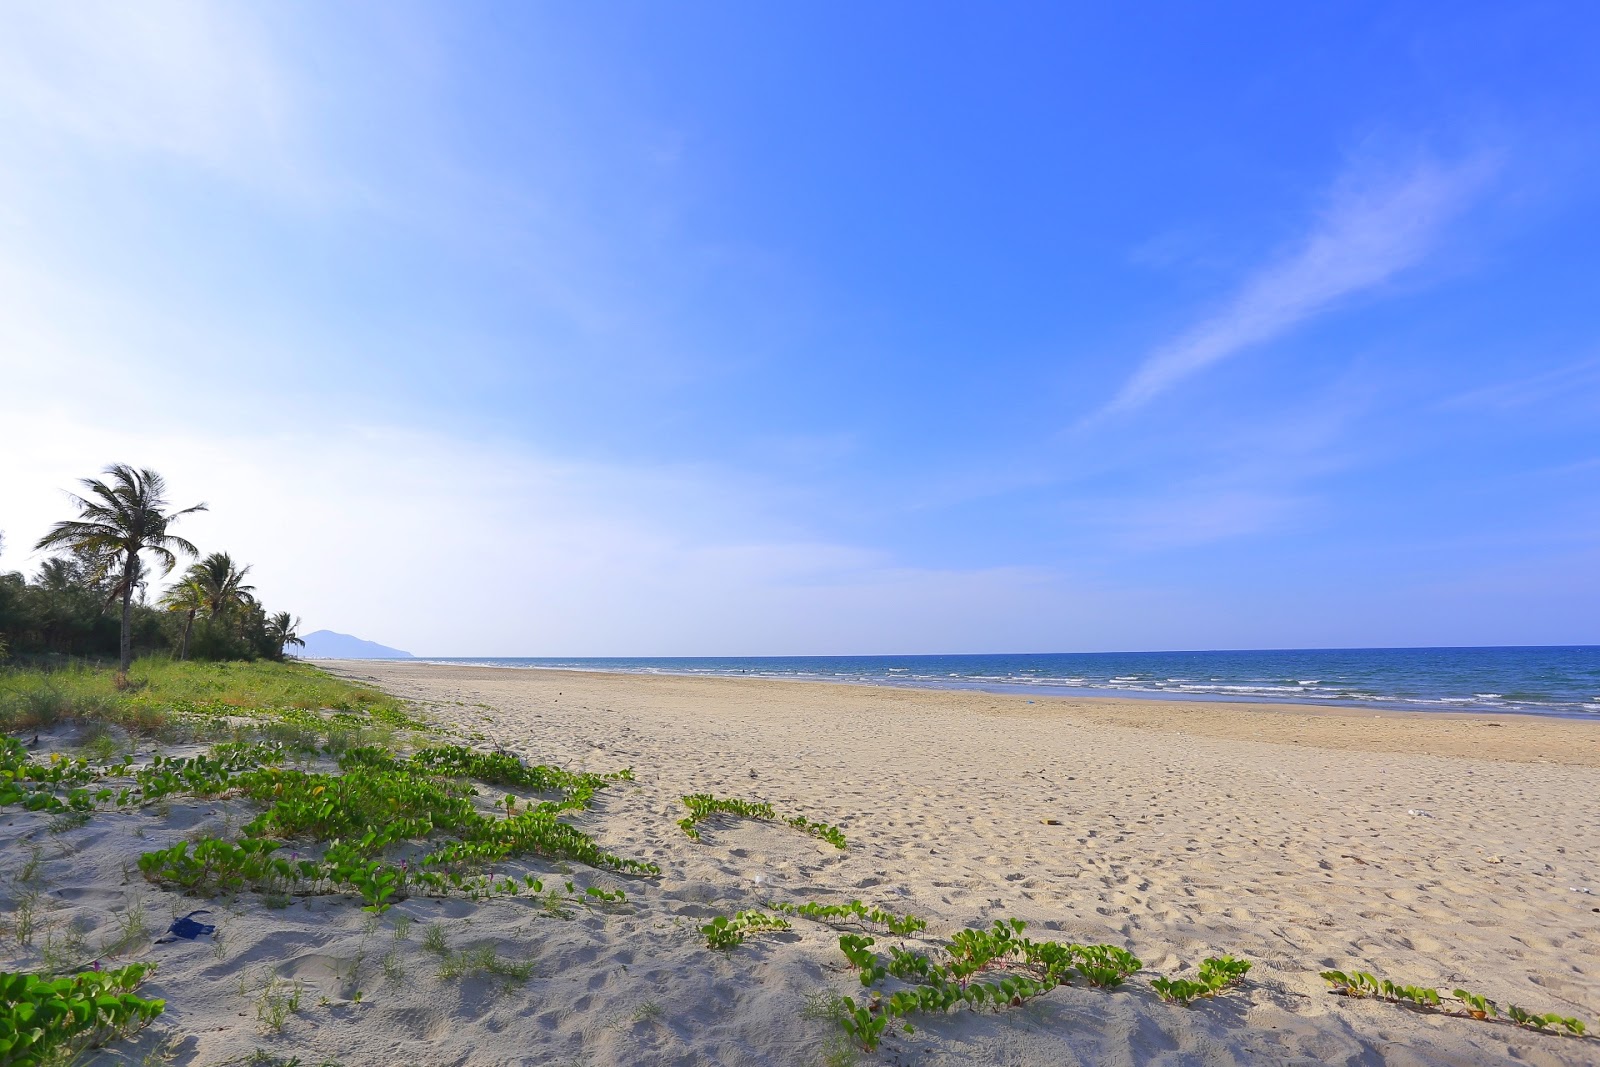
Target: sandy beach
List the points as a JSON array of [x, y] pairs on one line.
[[1434, 849], [1430, 849]]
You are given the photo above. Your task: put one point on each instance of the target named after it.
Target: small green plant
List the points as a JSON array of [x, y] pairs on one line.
[[25, 918], [997, 966], [1217, 973], [1354, 984], [855, 912], [863, 1024], [433, 939], [29, 871], [68, 952], [649, 1012], [51, 1020], [1473, 1005], [826, 1005], [67, 820], [729, 933], [1534, 1021], [165, 1053], [703, 805], [1421, 996], [132, 929], [1179, 990], [484, 960], [831, 834], [1106, 966], [276, 1003], [1479, 1007], [402, 927]]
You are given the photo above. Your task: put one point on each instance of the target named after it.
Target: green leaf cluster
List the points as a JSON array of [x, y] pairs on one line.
[[1217, 973], [725, 933], [1535, 1021], [49, 1020], [854, 911], [831, 834], [703, 806], [375, 802], [1024, 969], [1472, 1005]]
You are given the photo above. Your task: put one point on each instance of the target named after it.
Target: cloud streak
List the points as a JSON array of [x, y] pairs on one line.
[[1372, 231], [190, 81]]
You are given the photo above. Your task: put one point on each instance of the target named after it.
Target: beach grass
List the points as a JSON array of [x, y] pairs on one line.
[[156, 692]]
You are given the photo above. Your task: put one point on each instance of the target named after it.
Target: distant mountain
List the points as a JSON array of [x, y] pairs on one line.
[[325, 644]]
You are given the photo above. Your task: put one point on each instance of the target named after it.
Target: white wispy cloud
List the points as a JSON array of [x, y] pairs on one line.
[[1372, 230], [1575, 383], [216, 90]]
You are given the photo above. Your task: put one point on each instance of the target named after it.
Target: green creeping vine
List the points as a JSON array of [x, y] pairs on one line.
[[500, 768], [854, 911], [1543, 1022], [703, 805], [65, 784], [1026, 969], [725, 933], [1472, 1005], [831, 834], [50, 1020], [1217, 973], [377, 802], [34, 785]]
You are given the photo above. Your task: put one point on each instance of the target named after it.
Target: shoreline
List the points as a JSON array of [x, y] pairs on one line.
[[1516, 736], [1442, 706]]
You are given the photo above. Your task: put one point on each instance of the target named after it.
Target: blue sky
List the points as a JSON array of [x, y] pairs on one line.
[[674, 329]]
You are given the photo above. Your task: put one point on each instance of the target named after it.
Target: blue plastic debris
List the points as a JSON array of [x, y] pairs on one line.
[[187, 928]]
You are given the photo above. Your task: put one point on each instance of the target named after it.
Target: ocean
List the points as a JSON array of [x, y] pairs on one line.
[[1556, 680]]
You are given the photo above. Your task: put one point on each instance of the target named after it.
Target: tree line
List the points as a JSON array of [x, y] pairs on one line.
[[92, 598]]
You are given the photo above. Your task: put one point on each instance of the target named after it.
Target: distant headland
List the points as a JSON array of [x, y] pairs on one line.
[[325, 644]]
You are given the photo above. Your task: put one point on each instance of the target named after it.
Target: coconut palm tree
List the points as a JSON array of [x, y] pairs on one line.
[[281, 632], [221, 584], [189, 597], [118, 520]]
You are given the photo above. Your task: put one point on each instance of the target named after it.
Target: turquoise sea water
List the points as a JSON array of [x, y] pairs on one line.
[[1559, 680]]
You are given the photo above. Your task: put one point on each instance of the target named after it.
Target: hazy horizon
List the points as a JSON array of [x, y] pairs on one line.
[[719, 330]]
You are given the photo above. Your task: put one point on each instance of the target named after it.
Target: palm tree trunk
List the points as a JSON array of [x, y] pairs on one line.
[[127, 628], [183, 648], [130, 574]]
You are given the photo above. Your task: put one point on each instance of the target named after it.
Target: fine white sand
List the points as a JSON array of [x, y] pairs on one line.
[[1431, 849]]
